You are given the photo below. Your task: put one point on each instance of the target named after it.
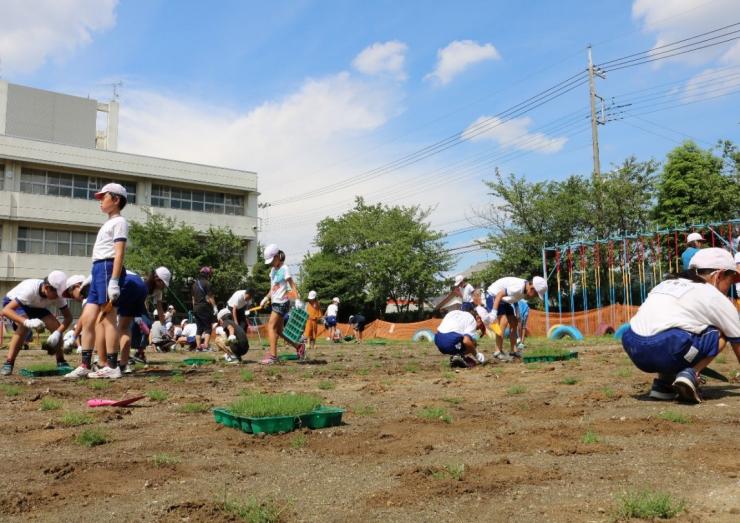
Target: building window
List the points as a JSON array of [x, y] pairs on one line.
[[51, 241], [38, 181], [2, 176], [195, 200]]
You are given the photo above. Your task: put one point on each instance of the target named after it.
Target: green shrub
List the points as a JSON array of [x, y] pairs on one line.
[[455, 472], [648, 504], [92, 438], [258, 405]]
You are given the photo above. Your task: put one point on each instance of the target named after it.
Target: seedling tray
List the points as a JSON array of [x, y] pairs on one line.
[[293, 331], [562, 357], [59, 371], [197, 361], [320, 418]]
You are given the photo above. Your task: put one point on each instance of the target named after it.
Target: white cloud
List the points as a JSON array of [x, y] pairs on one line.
[[33, 31], [383, 58], [673, 20], [513, 134], [458, 56], [712, 83]]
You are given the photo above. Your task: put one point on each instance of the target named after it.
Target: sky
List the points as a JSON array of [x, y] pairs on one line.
[[329, 100]]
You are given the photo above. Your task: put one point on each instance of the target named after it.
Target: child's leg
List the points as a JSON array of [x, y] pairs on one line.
[[112, 340], [124, 333], [513, 324], [502, 322], [87, 319], [274, 331], [704, 362], [16, 342]]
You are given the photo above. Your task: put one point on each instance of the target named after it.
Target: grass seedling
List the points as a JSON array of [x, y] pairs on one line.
[[258, 405], [247, 375], [178, 377], [272, 371], [326, 385], [721, 359], [253, 511], [448, 375], [624, 373], [162, 459], [608, 392], [10, 390], [516, 389], [544, 352], [299, 441], [364, 410], [193, 408], [648, 504], [590, 437], [50, 404], [92, 438], [156, 395], [455, 472], [75, 419], [153, 379], [533, 366], [674, 417], [363, 372], [452, 401], [569, 381], [435, 414], [412, 367], [98, 384]]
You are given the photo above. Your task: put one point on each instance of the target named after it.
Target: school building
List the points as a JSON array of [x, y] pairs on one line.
[[57, 150]]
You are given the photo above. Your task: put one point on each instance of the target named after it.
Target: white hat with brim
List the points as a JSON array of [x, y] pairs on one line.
[[713, 258], [484, 314], [540, 285], [113, 188], [459, 279], [312, 295], [164, 274], [58, 280], [335, 299], [271, 251], [74, 280], [694, 237]]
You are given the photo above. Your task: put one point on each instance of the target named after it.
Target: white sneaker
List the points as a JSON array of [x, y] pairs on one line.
[[228, 358], [79, 372], [106, 372], [129, 369]]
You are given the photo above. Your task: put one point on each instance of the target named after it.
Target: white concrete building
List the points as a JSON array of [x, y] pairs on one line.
[[52, 161]]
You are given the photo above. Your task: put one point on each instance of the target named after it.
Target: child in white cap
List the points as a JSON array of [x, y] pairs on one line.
[[684, 324], [463, 290], [694, 242], [330, 320], [27, 306], [314, 315]]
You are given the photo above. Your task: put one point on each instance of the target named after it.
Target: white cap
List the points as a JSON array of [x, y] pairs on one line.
[[484, 314], [713, 258], [171, 307], [113, 188], [311, 295], [540, 285], [74, 280], [164, 274], [271, 251], [459, 279], [58, 280], [335, 299], [694, 237], [222, 313], [184, 322]]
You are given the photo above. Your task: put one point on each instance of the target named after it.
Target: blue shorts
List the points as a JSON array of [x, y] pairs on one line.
[[28, 312], [330, 321], [670, 351], [191, 340], [467, 306], [489, 302], [505, 309], [283, 309], [101, 272], [133, 295], [449, 342], [523, 312]]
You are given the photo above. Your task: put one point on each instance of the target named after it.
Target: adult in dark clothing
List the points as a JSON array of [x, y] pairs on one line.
[[204, 307]]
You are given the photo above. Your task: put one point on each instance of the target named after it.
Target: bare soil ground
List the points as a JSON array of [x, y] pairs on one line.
[[511, 449]]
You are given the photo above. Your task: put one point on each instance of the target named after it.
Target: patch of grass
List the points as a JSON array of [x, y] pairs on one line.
[[674, 417], [608, 392], [721, 359], [75, 419], [532, 366], [569, 381], [624, 373], [435, 414], [516, 389], [448, 375], [10, 390], [247, 375], [590, 437], [50, 404], [92, 438], [253, 511], [648, 504], [299, 441], [455, 472], [336, 367], [42, 367], [98, 384], [178, 377], [364, 410], [327, 385], [162, 459], [452, 401], [411, 367], [363, 372], [263, 405], [445, 363], [156, 395], [272, 370], [193, 408]]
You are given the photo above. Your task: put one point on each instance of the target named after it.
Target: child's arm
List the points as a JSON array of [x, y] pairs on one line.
[[114, 289]]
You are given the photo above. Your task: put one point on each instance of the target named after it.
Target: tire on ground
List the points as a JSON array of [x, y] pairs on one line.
[[565, 331]]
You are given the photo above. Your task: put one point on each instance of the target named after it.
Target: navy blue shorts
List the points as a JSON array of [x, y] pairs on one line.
[[467, 306], [281, 308], [28, 312], [330, 321], [133, 295], [449, 342], [505, 309], [670, 351], [101, 273]]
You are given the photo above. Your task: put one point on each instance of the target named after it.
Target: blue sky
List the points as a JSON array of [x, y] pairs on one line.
[[309, 93]]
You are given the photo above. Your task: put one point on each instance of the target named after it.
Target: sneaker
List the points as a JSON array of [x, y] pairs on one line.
[[228, 358], [301, 351], [502, 357], [515, 354], [129, 369], [662, 390], [106, 373], [687, 386], [7, 369], [269, 360], [458, 362], [79, 372]]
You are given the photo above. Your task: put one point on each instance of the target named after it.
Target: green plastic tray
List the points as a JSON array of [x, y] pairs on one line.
[[296, 325], [226, 418], [59, 371], [322, 418], [197, 361], [532, 359], [273, 425], [287, 357]]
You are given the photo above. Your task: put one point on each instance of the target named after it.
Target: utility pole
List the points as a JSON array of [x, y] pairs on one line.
[[594, 118]]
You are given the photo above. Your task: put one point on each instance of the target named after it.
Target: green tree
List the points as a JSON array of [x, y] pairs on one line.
[[694, 188], [259, 278], [374, 253]]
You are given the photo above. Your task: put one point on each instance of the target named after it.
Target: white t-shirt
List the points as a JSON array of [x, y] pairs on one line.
[[239, 300], [28, 293], [460, 322], [332, 310], [514, 288], [689, 306], [114, 230], [190, 329], [279, 284], [467, 293], [156, 331], [737, 264]]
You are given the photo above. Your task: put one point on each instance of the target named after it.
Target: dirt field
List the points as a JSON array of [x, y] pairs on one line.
[[510, 447]]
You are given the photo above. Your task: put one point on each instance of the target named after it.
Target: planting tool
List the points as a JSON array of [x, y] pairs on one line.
[[97, 402], [496, 328], [711, 373], [105, 309]]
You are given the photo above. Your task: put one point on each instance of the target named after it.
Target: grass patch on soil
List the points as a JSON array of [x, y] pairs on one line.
[[608, 392], [411, 367], [98, 384], [162, 459], [364, 410], [455, 472], [648, 504], [42, 367], [156, 395], [624, 373], [178, 377], [193, 408], [92, 438], [590, 437], [363, 372], [258, 405], [247, 375], [50, 404], [516, 389], [547, 351], [570, 380], [452, 401], [75, 419], [327, 385], [674, 417], [298, 441], [253, 511], [435, 414], [10, 390]]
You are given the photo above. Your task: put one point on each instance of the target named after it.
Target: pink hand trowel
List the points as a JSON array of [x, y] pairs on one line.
[[97, 402]]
